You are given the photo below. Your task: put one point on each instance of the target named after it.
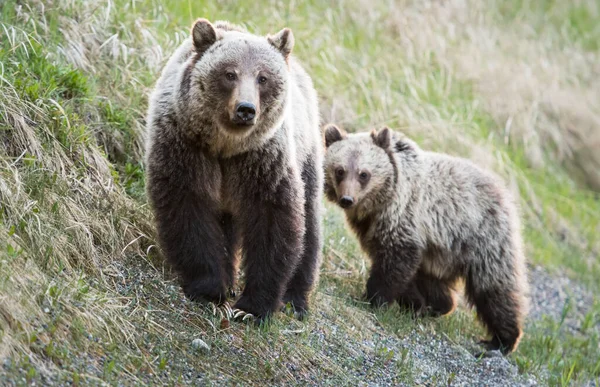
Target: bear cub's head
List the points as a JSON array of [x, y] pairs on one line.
[[361, 170], [239, 79]]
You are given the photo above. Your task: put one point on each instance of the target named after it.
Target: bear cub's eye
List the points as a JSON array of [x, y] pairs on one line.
[[363, 176], [230, 76], [262, 80], [339, 172]]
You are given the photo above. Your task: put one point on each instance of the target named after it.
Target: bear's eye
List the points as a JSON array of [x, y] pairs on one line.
[[339, 172], [230, 76], [262, 80], [363, 176]]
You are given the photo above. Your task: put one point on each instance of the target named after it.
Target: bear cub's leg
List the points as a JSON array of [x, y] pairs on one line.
[[412, 299], [428, 296], [498, 307], [393, 269], [438, 293]]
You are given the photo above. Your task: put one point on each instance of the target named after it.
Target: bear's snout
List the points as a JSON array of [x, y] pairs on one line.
[[346, 201], [245, 113]]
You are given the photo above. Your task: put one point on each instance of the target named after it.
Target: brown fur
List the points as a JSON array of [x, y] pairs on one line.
[[220, 184]]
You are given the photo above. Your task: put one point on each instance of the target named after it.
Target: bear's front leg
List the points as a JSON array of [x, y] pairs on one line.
[[185, 201], [272, 232], [306, 273], [394, 267]]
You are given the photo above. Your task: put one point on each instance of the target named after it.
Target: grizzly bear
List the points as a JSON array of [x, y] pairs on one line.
[[234, 166], [428, 220]]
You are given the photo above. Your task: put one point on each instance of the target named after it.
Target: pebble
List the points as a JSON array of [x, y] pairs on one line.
[[200, 345]]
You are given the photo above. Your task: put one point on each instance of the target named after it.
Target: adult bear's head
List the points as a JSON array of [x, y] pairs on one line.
[[238, 81]]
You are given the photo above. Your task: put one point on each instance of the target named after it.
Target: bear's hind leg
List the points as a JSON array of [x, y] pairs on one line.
[[299, 287], [498, 305]]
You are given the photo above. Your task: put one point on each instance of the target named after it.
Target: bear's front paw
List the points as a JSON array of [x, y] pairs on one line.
[[205, 290], [261, 311]]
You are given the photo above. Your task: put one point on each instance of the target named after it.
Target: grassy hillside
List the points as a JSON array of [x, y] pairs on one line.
[[84, 295]]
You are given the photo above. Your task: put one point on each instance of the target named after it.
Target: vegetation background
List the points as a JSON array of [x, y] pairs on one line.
[[84, 296]]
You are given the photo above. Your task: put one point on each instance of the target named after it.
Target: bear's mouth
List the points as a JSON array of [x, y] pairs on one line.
[[242, 123], [236, 126], [237, 129]]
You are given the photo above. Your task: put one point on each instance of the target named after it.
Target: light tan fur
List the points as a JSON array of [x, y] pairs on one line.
[[456, 219]]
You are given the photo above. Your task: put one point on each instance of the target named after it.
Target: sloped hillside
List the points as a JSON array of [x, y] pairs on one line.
[[84, 295]]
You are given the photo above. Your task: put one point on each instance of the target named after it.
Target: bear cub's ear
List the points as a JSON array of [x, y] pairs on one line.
[[203, 35], [333, 134], [382, 137], [283, 41]]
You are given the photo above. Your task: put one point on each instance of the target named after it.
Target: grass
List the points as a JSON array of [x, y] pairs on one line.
[[570, 23], [84, 296]]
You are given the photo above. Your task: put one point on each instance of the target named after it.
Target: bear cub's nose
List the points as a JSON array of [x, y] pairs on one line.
[[346, 201], [245, 111]]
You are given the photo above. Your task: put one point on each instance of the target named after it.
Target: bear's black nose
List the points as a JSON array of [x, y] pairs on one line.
[[346, 201], [245, 111]]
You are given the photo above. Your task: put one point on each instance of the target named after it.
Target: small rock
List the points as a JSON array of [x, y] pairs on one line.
[[200, 345]]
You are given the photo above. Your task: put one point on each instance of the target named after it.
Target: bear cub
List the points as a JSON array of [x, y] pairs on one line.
[[428, 220], [234, 167]]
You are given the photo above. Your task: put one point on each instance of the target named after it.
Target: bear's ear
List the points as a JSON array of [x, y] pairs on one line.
[[283, 41], [333, 134], [382, 138], [203, 35]]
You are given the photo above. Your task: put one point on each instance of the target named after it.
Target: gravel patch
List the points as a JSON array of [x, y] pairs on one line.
[[432, 360], [551, 293]]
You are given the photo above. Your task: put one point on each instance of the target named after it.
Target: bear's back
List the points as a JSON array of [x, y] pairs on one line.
[[457, 195]]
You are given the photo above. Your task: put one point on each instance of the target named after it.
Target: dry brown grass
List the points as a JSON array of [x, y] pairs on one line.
[[543, 96]]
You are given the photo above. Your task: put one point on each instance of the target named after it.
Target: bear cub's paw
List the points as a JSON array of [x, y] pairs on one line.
[[494, 346]]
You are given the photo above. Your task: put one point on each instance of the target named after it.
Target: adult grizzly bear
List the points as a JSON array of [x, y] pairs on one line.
[[234, 163], [426, 220]]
